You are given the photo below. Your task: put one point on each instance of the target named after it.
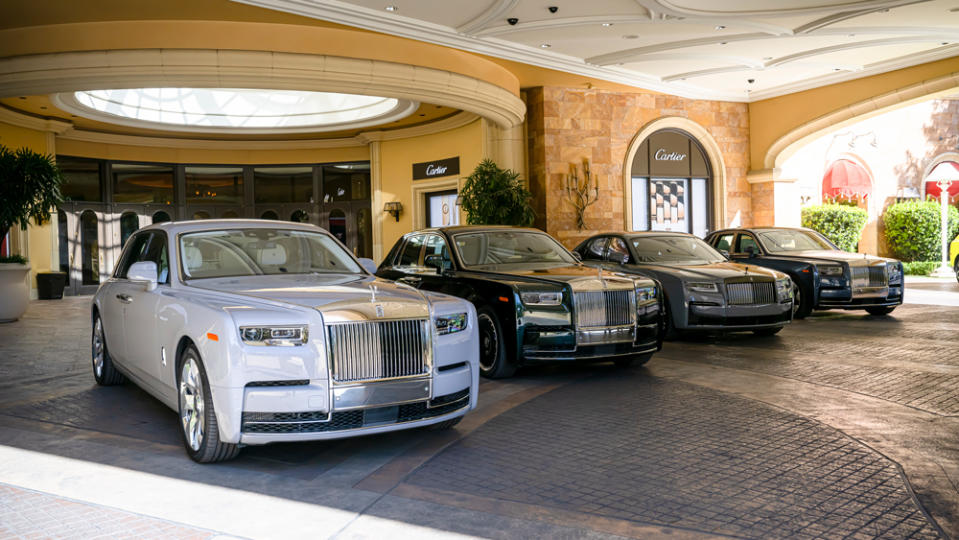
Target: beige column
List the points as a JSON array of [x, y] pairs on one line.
[[775, 201], [506, 146], [376, 199]]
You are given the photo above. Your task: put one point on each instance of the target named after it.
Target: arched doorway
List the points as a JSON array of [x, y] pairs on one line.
[[89, 248], [944, 170], [129, 223], [846, 180], [161, 216], [670, 185]]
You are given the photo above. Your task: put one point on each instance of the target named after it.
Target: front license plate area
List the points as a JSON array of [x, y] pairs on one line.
[[381, 415]]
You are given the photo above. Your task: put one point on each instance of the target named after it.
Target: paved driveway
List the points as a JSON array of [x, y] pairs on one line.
[[843, 425]]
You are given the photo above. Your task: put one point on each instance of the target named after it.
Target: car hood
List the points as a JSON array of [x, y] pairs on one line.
[[560, 273], [834, 255], [340, 297], [707, 272]]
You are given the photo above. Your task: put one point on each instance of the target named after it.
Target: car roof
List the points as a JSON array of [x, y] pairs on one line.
[[178, 227], [454, 229], [760, 229]]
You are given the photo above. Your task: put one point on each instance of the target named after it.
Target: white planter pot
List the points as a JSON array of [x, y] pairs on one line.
[[14, 293]]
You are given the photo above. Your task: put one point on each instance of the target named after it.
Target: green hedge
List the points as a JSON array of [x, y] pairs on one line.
[[912, 230], [843, 224], [920, 268]]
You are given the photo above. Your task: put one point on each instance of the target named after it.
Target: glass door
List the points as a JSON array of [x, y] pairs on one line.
[[87, 250]]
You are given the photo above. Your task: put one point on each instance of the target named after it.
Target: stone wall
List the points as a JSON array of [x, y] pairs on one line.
[[566, 125]]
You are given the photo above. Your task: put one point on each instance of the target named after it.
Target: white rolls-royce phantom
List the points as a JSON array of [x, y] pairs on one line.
[[262, 331]]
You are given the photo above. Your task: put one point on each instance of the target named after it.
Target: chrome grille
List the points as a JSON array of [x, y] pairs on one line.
[[739, 294], [878, 276], [362, 351], [604, 308]]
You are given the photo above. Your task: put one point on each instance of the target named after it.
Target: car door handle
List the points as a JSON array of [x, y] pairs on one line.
[[125, 298], [412, 281]]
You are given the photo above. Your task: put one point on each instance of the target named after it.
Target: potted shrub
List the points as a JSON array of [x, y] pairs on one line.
[[29, 190], [495, 196]]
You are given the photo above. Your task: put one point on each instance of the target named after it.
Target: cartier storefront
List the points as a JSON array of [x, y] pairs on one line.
[[671, 184]]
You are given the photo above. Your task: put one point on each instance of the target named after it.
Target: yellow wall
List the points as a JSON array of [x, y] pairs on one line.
[[396, 170], [771, 119], [39, 239], [68, 147]]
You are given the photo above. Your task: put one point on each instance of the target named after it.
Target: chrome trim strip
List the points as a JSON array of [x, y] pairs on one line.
[[381, 394], [615, 334], [591, 357]]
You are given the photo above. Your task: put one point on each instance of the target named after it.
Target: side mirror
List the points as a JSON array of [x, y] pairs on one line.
[[577, 256], [368, 265], [751, 251], [144, 271], [724, 253], [438, 262], [618, 258]]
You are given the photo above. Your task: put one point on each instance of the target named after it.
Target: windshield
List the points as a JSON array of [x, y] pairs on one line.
[[674, 250], [495, 248], [782, 240], [256, 252]]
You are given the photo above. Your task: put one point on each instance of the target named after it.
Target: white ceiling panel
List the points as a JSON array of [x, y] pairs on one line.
[[703, 49]]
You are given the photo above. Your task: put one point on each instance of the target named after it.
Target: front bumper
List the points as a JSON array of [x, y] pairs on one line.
[[844, 297], [548, 344], [736, 318]]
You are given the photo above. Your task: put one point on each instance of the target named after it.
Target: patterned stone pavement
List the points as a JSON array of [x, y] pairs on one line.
[[569, 452], [675, 454]]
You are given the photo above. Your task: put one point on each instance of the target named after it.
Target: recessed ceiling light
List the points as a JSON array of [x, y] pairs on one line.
[[630, 36], [944, 43], [607, 24], [767, 58], [723, 42], [545, 45], [837, 69], [23, 97], [720, 27], [43, 107], [391, 8]]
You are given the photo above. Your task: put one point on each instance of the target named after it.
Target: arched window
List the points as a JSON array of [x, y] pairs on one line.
[[338, 224], [90, 248], [161, 216], [299, 216], [201, 214], [129, 223], [671, 184], [64, 243], [270, 214], [846, 179]]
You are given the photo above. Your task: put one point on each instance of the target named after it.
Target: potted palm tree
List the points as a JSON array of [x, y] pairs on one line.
[[495, 196], [29, 190]]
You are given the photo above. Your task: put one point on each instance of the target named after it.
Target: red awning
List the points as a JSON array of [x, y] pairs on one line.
[[932, 187], [846, 179]]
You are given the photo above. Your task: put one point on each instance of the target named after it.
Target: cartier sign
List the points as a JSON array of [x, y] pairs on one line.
[[434, 169], [664, 155]]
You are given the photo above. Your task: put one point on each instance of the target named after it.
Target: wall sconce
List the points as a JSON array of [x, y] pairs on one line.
[[395, 208]]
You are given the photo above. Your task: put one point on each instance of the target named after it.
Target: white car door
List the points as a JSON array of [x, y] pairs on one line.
[[115, 298], [143, 346]]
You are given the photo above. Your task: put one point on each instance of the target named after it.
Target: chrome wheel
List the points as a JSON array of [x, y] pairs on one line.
[[192, 403], [489, 342], [98, 348]]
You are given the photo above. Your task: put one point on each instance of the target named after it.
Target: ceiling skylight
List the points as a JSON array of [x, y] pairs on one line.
[[234, 110]]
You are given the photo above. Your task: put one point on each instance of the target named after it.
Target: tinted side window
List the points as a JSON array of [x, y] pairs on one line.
[[436, 245], [595, 249], [411, 251], [157, 253], [618, 245], [745, 241], [135, 252], [724, 242]]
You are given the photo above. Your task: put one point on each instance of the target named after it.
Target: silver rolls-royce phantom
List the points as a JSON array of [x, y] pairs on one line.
[[258, 332]]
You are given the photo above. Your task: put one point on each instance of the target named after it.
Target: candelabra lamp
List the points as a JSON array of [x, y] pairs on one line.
[[581, 193]]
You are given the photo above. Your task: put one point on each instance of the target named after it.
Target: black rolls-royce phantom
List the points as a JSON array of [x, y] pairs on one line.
[[535, 301], [826, 277]]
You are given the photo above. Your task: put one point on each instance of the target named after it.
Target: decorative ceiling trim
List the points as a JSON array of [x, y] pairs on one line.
[[496, 10], [671, 7], [783, 147], [146, 68], [15, 118]]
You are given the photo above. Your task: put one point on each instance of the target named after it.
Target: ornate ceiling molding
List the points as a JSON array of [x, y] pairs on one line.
[[145, 68]]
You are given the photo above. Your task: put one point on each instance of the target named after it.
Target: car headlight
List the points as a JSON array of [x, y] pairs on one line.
[[894, 271], [644, 294], [784, 289], [450, 324], [703, 287], [830, 270], [542, 298], [282, 336]]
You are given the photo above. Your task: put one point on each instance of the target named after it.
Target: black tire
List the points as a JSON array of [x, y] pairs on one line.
[[802, 303], [205, 446], [880, 311], [766, 332], [103, 370], [957, 268], [493, 361], [635, 360], [447, 424]]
